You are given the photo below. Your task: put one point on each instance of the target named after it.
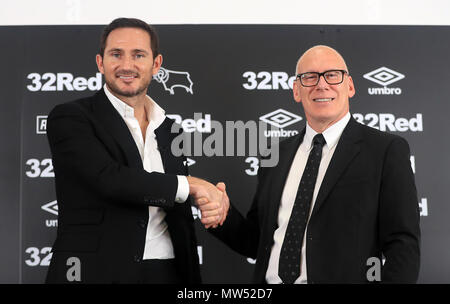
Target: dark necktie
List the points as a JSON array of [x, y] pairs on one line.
[[289, 264]]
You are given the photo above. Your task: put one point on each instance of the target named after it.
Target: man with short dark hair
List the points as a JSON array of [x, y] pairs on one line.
[[341, 198], [122, 195]]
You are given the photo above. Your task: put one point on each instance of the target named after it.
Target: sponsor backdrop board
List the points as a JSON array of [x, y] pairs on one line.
[[214, 76]]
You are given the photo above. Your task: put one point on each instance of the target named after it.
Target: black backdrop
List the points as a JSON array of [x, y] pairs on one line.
[[223, 62]]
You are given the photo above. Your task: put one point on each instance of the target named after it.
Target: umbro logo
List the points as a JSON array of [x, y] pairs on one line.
[[384, 76], [280, 118]]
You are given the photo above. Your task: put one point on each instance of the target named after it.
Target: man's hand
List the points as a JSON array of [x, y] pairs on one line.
[[211, 210], [212, 201], [225, 201]]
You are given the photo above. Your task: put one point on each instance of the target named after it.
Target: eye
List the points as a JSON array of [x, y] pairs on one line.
[[309, 76], [115, 55], [140, 56], [332, 75]]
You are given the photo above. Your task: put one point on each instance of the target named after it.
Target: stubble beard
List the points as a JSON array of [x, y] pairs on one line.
[[115, 89]]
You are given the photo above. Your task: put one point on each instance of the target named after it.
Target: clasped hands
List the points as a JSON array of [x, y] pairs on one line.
[[212, 201]]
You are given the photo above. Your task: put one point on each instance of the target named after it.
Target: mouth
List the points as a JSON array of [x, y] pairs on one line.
[[323, 99], [127, 78]]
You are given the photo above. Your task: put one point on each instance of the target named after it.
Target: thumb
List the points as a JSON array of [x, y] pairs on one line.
[[221, 186]]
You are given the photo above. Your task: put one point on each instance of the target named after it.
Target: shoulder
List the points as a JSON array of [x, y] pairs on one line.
[[275, 147], [379, 139], [66, 115], [77, 106], [291, 140]]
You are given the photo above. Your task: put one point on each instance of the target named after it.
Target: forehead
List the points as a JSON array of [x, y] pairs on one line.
[[128, 38], [319, 60]]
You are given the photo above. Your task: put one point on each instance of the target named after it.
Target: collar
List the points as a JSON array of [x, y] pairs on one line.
[[331, 134], [155, 114]]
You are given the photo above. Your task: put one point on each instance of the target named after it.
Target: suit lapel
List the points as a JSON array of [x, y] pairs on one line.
[[115, 125], [164, 137], [347, 148]]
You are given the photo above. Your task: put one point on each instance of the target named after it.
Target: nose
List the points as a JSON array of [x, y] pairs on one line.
[[322, 84], [127, 62]]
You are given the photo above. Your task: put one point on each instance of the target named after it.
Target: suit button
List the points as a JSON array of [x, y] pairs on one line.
[[142, 223], [137, 259]]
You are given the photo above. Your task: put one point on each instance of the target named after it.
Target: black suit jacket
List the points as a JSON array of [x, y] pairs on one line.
[[366, 207], [104, 193]]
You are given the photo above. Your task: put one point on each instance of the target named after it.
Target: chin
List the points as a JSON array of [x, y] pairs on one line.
[[323, 118], [129, 93], [125, 92]]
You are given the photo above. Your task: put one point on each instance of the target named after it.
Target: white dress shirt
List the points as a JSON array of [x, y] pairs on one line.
[[331, 135], [158, 244]]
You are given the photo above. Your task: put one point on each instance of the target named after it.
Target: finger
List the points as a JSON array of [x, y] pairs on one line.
[[210, 206], [224, 217], [211, 226], [221, 186], [225, 196], [210, 220], [211, 213], [223, 214]]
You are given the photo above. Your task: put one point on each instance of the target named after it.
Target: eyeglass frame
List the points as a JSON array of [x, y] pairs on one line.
[[299, 77]]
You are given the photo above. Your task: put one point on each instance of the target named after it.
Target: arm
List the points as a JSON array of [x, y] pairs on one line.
[[399, 216], [241, 233]]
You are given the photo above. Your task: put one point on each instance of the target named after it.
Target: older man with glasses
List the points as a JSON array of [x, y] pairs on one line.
[[341, 205]]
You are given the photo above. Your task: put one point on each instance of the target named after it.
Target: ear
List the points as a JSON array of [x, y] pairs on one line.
[[296, 91], [351, 87], [157, 62], [99, 60]]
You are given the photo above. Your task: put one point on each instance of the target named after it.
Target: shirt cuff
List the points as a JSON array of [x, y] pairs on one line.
[[183, 189]]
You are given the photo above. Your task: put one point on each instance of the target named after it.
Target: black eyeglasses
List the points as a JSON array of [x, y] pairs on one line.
[[311, 79]]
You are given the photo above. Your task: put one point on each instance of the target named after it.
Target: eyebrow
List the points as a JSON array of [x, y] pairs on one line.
[[133, 51], [140, 51], [337, 69], [114, 50]]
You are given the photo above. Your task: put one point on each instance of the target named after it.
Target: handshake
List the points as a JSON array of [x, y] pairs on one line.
[[212, 201]]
